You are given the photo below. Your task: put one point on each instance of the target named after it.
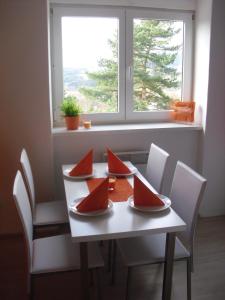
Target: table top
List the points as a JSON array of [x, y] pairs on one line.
[[122, 221]]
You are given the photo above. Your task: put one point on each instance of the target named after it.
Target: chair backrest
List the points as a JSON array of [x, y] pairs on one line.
[[186, 194], [27, 172], [156, 164], [23, 206]]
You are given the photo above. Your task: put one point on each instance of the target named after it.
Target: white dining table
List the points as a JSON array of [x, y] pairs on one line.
[[120, 222]]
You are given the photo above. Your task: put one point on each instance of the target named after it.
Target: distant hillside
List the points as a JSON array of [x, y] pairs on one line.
[[76, 78]]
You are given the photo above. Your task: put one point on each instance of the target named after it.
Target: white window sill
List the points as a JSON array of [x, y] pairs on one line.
[[125, 128]]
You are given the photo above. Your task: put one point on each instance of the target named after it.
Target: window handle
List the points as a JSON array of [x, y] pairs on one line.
[[130, 72]]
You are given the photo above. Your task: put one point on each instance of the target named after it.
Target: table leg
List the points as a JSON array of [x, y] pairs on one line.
[[168, 266], [84, 270]]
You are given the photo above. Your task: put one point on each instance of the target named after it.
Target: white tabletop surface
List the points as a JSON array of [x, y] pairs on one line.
[[122, 221]]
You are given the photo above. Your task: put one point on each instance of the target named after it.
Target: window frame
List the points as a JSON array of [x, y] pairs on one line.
[[125, 43], [57, 70], [131, 14]]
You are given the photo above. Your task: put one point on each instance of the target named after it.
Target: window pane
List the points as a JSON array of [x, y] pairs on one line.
[[157, 63], [90, 62]]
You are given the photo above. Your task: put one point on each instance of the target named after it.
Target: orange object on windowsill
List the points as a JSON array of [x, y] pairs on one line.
[[87, 124], [183, 111]]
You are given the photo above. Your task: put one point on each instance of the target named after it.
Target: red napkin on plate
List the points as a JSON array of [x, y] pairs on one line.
[[97, 199], [143, 196], [115, 165], [84, 166]]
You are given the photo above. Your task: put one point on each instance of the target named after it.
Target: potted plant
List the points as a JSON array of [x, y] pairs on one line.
[[71, 111]]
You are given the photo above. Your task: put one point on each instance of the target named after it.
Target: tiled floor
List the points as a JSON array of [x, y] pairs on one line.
[[208, 280]]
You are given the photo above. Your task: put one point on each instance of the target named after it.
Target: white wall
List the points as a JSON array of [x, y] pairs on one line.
[[180, 143], [166, 4], [213, 155], [202, 55], [24, 96]]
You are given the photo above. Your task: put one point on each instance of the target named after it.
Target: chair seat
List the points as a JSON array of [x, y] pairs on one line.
[[50, 213], [148, 250], [58, 254]]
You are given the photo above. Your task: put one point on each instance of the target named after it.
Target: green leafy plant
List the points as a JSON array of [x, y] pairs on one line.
[[70, 107]]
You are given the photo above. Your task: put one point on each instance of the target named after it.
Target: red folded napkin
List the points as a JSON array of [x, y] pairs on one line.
[[115, 165], [84, 166], [97, 199], [122, 191], [143, 196]]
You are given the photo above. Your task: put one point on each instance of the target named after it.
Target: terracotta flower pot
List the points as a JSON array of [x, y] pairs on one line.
[[72, 122]]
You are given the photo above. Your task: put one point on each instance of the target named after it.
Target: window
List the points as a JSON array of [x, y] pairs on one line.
[[121, 64]]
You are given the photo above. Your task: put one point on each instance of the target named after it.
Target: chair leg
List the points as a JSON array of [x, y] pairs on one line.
[[127, 284], [113, 267], [91, 277], [99, 284], [110, 255], [189, 278], [31, 291]]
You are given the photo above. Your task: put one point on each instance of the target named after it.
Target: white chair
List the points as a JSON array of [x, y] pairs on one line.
[[44, 213], [156, 164], [51, 254], [154, 173], [186, 192]]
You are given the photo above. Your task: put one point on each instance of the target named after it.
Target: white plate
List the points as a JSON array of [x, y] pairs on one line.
[[166, 200], [72, 207], [133, 170], [66, 174]]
